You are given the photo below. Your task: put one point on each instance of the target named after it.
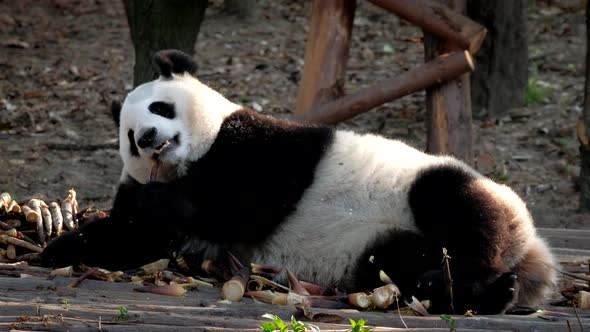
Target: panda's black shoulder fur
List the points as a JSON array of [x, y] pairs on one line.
[[261, 166]]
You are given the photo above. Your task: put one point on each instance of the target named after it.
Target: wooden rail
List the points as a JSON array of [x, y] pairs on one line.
[[437, 71]]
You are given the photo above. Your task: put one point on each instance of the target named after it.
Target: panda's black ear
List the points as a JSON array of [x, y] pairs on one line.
[[116, 111], [174, 62]]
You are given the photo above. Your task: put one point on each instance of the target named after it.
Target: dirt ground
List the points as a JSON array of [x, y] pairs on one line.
[[63, 61]]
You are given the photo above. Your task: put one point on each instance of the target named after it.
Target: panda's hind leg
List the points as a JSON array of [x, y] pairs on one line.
[[453, 210]]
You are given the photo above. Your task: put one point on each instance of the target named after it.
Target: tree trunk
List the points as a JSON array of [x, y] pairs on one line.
[[583, 127], [501, 70], [243, 9], [449, 104], [161, 24]]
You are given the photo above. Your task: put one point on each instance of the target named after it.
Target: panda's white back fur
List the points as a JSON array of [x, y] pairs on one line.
[[351, 201]]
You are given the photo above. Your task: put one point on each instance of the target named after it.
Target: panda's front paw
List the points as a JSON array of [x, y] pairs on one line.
[[499, 295], [431, 286], [64, 250]]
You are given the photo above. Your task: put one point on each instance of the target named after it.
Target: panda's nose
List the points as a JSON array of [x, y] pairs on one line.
[[147, 138]]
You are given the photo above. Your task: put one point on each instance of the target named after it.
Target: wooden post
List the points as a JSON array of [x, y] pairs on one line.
[[441, 69], [440, 20], [326, 53], [449, 104]]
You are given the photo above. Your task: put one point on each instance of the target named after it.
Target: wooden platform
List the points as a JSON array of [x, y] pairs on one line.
[[33, 303]]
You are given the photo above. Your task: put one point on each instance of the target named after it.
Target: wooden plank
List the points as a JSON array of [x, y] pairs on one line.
[[326, 53], [36, 304], [571, 255], [567, 238], [247, 316]]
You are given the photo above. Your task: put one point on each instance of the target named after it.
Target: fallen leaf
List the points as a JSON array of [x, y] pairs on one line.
[[15, 43]]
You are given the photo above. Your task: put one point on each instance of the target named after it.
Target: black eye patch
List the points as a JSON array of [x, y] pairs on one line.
[[133, 146], [163, 109]]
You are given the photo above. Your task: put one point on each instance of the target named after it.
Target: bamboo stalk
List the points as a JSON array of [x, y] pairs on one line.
[[4, 226], [295, 284], [233, 290], [83, 277], [360, 300], [312, 289], [14, 241]]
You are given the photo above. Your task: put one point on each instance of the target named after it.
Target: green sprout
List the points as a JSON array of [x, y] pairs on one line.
[[451, 320], [122, 312], [278, 324], [359, 326], [66, 303], [534, 93]]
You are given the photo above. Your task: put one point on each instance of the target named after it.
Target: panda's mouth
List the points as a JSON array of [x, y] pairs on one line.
[[164, 147], [160, 148], [158, 151]]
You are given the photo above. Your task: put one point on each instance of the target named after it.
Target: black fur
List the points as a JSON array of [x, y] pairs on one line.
[[404, 256], [174, 62], [147, 138], [249, 181], [163, 109], [132, 146], [452, 212], [261, 166], [116, 111], [131, 236]]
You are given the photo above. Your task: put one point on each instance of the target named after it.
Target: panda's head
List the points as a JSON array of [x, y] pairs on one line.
[[174, 119]]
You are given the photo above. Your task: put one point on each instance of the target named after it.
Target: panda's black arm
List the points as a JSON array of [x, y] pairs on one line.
[[108, 243], [134, 234]]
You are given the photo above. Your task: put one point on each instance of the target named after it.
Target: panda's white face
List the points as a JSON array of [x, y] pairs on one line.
[[179, 117]]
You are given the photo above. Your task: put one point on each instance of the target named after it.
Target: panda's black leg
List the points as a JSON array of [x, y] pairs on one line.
[[453, 212]]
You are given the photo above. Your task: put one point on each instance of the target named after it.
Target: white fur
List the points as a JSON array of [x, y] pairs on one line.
[[199, 114]]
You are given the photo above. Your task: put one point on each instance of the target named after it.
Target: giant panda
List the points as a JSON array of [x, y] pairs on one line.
[[332, 206]]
